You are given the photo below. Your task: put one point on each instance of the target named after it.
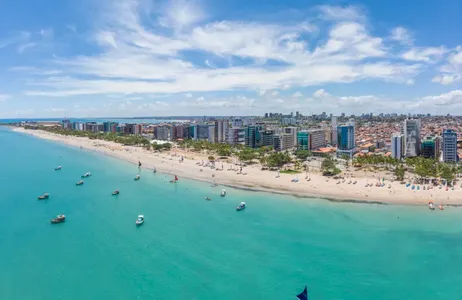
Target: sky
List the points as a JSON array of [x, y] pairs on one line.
[[127, 58]]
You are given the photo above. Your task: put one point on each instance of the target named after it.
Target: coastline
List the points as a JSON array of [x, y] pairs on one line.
[[258, 180]]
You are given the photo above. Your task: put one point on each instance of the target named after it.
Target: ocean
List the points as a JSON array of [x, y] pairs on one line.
[[189, 248]]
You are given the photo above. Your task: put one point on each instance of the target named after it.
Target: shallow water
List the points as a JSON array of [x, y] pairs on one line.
[[190, 248]]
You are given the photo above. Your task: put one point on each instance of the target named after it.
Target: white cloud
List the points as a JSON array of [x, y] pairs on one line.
[[450, 99], [106, 38], [274, 93], [4, 97], [180, 14], [430, 54], [148, 60], [188, 95], [401, 35], [410, 81], [337, 13], [451, 71], [321, 94], [297, 94], [24, 47]]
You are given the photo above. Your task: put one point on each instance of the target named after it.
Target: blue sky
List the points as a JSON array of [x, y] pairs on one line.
[[156, 58]]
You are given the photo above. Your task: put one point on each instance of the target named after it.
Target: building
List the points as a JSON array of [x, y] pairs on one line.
[[346, 139], [249, 121], [252, 136], [91, 126], [163, 132], [429, 147], [411, 130], [293, 131], [397, 146], [450, 146], [288, 121], [283, 141], [236, 136], [138, 129], [211, 135], [237, 122], [267, 137], [221, 130], [303, 140], [187, 131], [317, 139], [130, 128], [201, 131], [333, 132], [67, 125]]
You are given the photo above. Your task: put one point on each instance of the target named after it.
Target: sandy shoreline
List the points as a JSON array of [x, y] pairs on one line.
[[257, 180]]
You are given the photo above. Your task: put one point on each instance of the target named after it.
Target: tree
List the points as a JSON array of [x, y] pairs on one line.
[[278, 159], [399, 172], [303, 154], [211, 158], [446, 172], [246, 155], [328, 166]]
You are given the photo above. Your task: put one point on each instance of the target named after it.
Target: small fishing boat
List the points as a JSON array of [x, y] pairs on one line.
[[140, 220], [241, 206], [208, 198], [137, 177], [88, 174], [58, 168], [79, 182], [116, 192], [44, 196], [223, 193], [431, 205], [59, 219]]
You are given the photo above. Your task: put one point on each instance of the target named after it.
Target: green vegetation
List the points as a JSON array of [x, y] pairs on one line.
[[303, 154], [328, 167], [289, 172], [399, 172], [278, 159]]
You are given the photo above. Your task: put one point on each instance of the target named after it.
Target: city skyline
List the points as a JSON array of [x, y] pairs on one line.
[[139, 58]]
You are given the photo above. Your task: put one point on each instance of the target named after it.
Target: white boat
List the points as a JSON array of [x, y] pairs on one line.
[[137, 177], [431, 205], [223, 192], [241, 206], [88, 174], [140, 220], [58, 168]]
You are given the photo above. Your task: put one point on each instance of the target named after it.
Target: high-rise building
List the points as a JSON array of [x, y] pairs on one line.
[[237, 122], [317, 139], [67, 125], [450, 146], [162, 132], [201, 131], [248, 121], [283, 141], [221, 130], [252, 136], [411, 130], [397, 146], [334, 130], [138, 129], [289, 121], [303, 140], [346, 137], [236, 136], [429, 147], [211, 137], [293, 132], [130, 128], [267, 137]]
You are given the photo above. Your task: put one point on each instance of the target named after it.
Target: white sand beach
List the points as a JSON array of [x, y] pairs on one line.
[[252, 177]]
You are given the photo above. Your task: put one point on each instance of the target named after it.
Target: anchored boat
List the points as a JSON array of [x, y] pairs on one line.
[[137, 177], [44, 196], [79, 182], [59, 219], [58, 168], [140, 220], [241, 206], [116, 192], [223, 193]]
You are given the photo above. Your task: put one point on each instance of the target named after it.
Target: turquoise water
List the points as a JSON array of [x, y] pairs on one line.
[[190, 248]]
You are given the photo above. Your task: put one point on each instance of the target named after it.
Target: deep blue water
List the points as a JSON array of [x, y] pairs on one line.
[[190, 248]]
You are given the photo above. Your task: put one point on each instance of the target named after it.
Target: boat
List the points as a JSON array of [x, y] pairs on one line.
[[116, 192], [58, 168], [59, 219], [140, 220], [441, 207], [79, 182], [44, 196], [88, 174], [241, 206], [223, 193], [431, 205], [137, 177], [208, 198]]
